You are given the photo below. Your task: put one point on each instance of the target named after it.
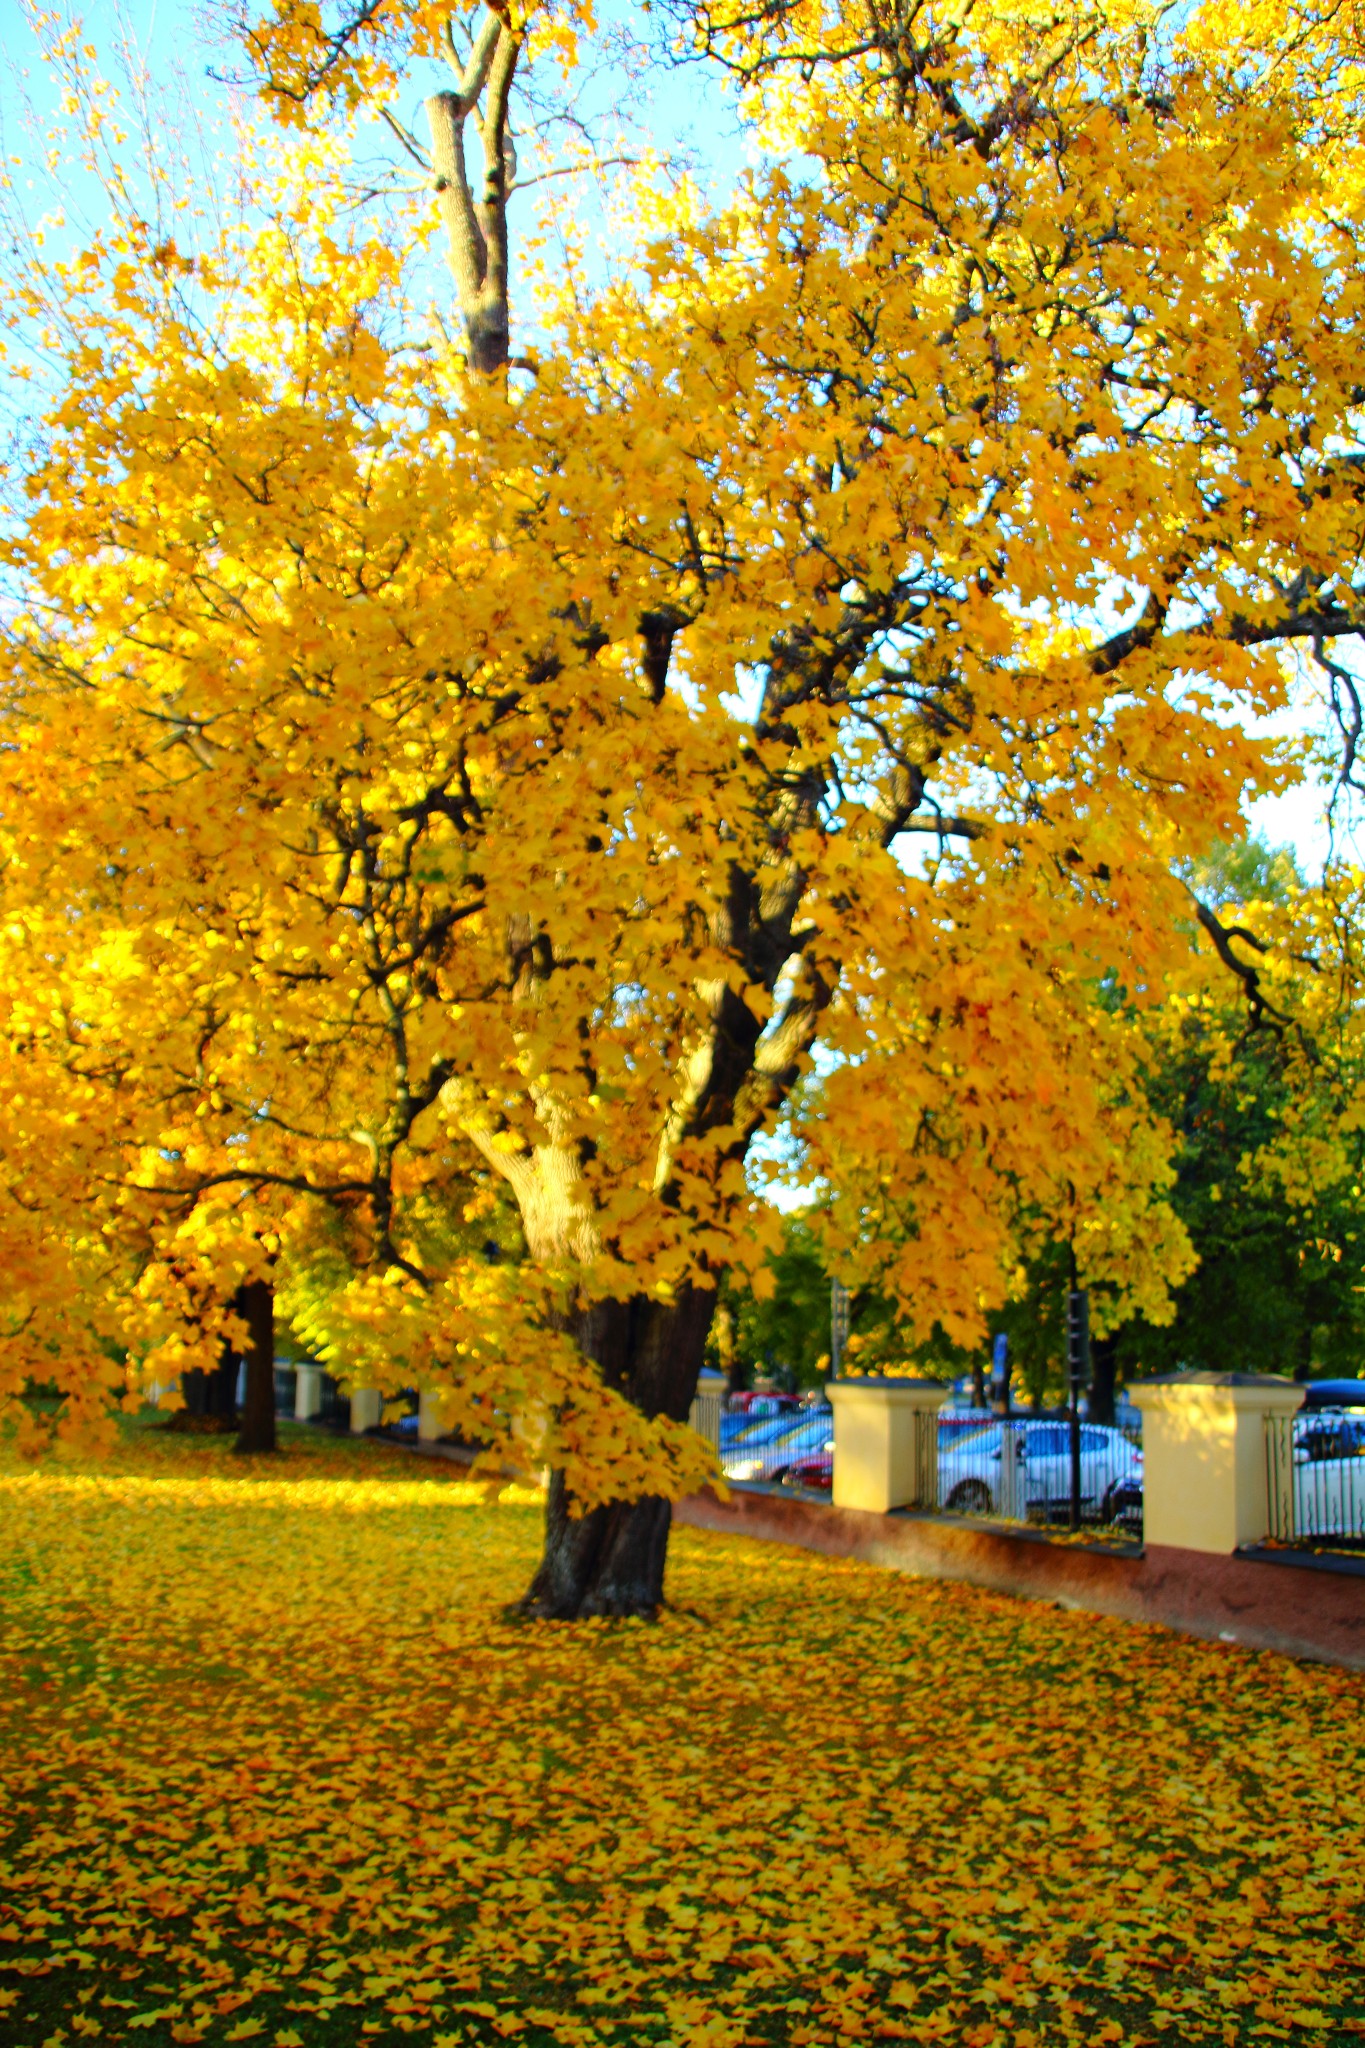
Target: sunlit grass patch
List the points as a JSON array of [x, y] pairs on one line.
[[281, 1769]]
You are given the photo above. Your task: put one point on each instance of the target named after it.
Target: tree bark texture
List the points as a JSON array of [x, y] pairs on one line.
[[255, 1303], [611, 1560], [476, 227]]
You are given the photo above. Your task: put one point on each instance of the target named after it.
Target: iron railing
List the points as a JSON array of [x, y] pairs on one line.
[[1019, 1468], [924, 1478], [335, 1408], [1315, 1478], [708, 1406]]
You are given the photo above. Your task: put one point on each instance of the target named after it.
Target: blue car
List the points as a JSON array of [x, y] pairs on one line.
[[764, 1431], [1320, 1435], [767, 1451], [1333, 1394], [769, 1415]]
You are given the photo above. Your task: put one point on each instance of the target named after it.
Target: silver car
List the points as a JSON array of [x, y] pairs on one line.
[[1021, 1468]]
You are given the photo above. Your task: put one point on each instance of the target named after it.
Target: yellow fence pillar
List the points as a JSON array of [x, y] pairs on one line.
[[1204, 1456], [431, 1404], [885, 1443], [367, 1406], [708, 1405], [307, 1393]]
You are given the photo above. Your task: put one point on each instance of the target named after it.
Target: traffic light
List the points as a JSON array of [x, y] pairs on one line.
[[1078, 1339]]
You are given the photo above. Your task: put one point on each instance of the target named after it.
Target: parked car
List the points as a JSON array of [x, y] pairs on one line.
[[1326, 1435], [1329, 1478], [815, 1473], [752, 1435], [971, 1478], [959, 1422], [755, 1409], [1333, 1394], [1121, 1505], [1329, 1499], [770, 1452], [769, 1402]]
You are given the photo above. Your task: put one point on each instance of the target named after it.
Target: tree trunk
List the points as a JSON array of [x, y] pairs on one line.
[[255, 1303], [212, 1395], [611, 1560], [1104, 1359], [735, 1368]]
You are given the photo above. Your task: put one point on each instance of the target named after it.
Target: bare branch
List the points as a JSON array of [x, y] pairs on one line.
[[1262, 1010], [408, 139], [600, 163], [1344, 700]]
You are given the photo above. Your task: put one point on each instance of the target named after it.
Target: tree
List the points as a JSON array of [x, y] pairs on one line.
[[1263, 1083], [255, 1303], [1261, 1087], [780, 1321], [825, 635]]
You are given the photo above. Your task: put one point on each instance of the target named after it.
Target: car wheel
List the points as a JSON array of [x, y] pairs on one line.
[[971, 1497], [1122, 1508]]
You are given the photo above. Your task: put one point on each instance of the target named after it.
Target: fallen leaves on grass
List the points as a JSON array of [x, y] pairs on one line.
[[281, 1772]]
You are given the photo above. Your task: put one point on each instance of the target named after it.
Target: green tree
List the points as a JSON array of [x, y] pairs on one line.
[[779, 1324], [1278, 1283]]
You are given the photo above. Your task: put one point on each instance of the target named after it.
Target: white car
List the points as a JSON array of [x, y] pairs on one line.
[[1327, 1461], [1329, 1475], [1023, 1468]]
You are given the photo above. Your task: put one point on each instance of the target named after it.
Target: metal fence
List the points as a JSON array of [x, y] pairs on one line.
[[334, 1407], [708, 1408], [1013, 1469], [1019, 1469], [1315, 1478]]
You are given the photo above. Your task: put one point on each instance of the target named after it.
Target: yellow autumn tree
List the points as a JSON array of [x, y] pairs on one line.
[[519, 759]]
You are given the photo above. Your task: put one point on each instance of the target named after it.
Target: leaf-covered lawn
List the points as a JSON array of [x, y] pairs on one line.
[[278, 1770]]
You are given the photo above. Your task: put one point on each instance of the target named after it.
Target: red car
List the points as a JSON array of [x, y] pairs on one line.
[[817, 1473]]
